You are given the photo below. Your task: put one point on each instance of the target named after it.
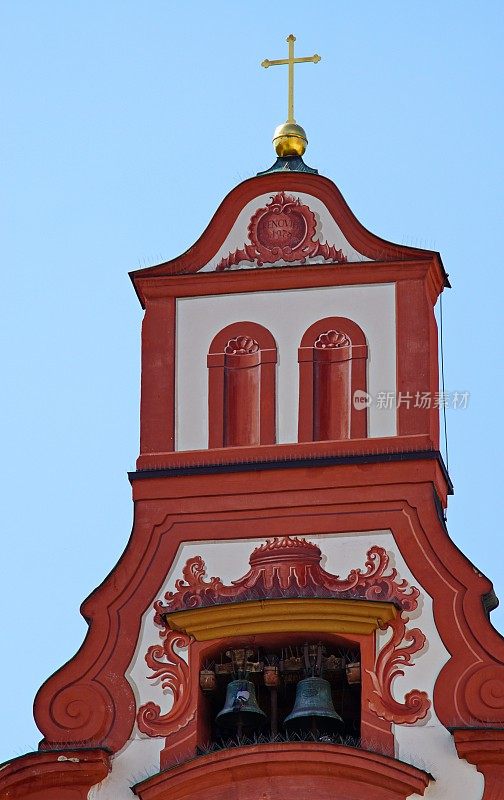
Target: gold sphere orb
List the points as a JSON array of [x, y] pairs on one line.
[[289, 139]]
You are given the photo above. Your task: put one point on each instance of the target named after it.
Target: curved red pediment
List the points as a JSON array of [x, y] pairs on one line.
[[281, 227]]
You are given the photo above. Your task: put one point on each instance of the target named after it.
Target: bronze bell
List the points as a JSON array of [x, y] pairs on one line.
[[314, 703], [240, 707]]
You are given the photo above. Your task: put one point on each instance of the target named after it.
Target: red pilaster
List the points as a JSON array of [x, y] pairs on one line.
[[332, 393], [417, 361], [242, 393], [157, 402]]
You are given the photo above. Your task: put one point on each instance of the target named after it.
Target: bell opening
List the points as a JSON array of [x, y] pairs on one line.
[[269, 692]]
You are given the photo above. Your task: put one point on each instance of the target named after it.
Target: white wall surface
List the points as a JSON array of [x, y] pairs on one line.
[[138, 760], [287, 314], [327, 230]]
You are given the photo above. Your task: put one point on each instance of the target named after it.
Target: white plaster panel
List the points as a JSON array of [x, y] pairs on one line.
[[137, 761], [426, 745], [327, 230], [287, 314], [431, 748]]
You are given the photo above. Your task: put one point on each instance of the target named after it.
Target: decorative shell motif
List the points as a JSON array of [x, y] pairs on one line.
[[241, 346], [331, 340]]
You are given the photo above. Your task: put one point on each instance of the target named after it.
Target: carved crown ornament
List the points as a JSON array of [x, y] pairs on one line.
[[283, 230], [286, 567]]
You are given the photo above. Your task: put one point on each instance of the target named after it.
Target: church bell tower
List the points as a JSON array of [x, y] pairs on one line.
[[290, 616]]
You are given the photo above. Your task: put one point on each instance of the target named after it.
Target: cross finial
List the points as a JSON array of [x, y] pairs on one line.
[[290, 61], [290, 130]]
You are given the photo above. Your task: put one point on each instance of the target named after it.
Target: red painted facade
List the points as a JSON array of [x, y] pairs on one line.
[[334, 480]]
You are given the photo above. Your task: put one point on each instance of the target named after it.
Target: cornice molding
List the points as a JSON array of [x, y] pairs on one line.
[[484, 747], [289, 767], [282, 616], [152, 288], [65, 774]]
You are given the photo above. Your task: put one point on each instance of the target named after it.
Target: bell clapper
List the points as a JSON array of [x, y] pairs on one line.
[[274, 711]]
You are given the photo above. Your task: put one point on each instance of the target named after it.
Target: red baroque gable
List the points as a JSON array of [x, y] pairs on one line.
[[89, 701]]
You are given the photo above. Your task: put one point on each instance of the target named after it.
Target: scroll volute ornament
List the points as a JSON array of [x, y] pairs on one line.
[[173, 671], [485, 694], [397, 653], [82, 713]]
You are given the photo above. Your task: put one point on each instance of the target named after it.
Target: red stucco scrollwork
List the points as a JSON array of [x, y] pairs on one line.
[[81, 712], [173, 671], [289, 567], [392, 657], [285, 567], [189, 590], [283, 230]]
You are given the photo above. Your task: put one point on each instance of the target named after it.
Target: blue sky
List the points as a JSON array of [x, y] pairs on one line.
[[124, 126]]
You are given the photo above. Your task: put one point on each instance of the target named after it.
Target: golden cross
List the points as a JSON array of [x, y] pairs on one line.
[[290, 61]]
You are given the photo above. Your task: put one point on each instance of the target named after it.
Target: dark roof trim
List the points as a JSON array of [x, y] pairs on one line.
[[294, 463]]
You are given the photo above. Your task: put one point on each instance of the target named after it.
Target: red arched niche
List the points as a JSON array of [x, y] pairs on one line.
[[241, 386], [332, 367]]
